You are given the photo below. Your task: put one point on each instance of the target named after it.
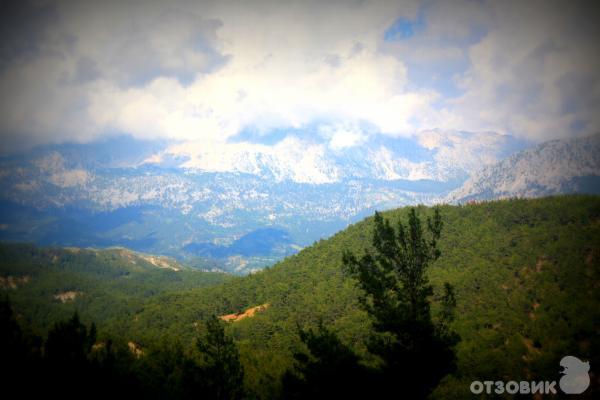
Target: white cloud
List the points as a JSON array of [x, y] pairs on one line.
[[345, 138], [207, 71], [281, 75], [521, 72], [287, 67]]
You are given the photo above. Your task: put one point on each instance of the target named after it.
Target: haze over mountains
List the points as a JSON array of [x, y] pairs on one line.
[[245, 204]]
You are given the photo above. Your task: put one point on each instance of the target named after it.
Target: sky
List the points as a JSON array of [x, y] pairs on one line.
[[215, 72]]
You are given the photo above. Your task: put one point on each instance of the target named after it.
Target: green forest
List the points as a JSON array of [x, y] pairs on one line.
[[419, 300]]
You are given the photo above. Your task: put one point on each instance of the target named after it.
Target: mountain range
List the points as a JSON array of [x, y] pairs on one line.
[[243, 205]]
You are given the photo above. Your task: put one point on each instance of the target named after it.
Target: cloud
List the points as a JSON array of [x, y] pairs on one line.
[[286, 70], [341, 137], [523, 73], [210, 70], [134, 43], [25, 29], [56, 55], [207, 71]]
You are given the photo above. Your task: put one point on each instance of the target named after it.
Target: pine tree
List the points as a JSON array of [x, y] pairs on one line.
[[222, 371], [329, 370], [69, 343], [416, 352], [66, 355], [18, 353]]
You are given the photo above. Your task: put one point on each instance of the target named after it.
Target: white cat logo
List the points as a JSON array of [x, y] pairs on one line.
[[576, 379]]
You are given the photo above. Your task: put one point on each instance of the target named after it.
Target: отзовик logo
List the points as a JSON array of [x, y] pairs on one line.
[[575, 381]]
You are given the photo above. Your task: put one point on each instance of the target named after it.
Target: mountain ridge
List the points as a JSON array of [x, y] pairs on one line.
[[98, 194], [554, 167], [69, 195]]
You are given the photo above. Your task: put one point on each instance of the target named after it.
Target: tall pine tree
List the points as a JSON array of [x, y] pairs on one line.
[[329, 370], [222, 372], [416, 352]]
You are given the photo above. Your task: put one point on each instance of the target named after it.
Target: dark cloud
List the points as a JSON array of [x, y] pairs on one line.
[[173, 44], [24, 29], [146, 43], [86, 70], [579, 92]]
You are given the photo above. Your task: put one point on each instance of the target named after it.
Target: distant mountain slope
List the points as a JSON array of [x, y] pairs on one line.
[[438, 155], [526, 274], [195, 199], [108, 284], [555, 167]]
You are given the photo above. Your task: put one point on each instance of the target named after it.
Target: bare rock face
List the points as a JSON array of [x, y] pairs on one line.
[[555, 167]]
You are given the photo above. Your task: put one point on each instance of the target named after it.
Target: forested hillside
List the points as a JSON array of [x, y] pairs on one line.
[[525, 274], [108, 286]]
